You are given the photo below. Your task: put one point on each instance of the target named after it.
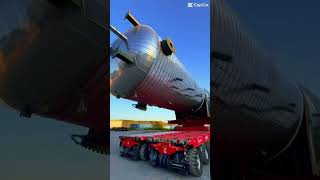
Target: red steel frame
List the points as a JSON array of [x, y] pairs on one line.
[[171, 142]]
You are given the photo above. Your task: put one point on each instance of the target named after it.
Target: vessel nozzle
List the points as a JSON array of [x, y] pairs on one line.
[[132, 19]]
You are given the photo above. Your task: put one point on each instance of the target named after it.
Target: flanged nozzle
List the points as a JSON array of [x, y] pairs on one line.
[[118, 33], [132, 19], [168, 47]]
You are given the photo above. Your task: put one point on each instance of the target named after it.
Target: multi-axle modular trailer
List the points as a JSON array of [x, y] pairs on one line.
[[145, 69], [182, 150]]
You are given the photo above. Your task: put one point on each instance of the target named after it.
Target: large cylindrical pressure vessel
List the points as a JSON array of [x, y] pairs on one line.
[[144, 68], [257, 111], [49, 50]]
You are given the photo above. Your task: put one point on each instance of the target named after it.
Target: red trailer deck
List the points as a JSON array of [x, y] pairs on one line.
[[182, 150]]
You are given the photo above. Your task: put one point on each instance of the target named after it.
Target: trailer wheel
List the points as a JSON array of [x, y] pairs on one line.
[[204, 154], [168, 162], [135, 152], [165, 162], [122, 150], [154, 157], [161, 157], [194, 162], [208, 146], [144, 152]]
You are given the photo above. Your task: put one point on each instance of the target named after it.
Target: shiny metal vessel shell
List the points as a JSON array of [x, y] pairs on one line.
[[155, 79], [257, 111]]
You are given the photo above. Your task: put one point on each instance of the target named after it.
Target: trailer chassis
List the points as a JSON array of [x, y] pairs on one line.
[[183, 151]]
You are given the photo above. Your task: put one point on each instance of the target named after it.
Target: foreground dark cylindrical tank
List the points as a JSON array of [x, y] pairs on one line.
[[144, 68], [257, 111], [48, 52]]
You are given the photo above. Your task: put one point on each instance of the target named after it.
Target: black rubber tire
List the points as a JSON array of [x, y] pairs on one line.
[[122, 150], [168, 162], [161, 157], [154, 157], [165, 161], [194, 162], [208, 146], [204, 154], [144, 152], [136, 155]]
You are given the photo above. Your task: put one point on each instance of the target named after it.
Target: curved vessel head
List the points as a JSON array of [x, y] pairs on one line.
[[131, 59]]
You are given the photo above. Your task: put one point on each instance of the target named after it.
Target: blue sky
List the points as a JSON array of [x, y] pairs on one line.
[[189, 28]]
